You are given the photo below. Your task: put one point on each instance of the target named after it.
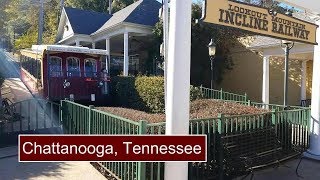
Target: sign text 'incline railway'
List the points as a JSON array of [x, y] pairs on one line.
[[259, 20]]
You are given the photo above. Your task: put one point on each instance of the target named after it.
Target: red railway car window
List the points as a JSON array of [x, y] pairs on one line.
[[90, 67], [73, 67], [55, 66]]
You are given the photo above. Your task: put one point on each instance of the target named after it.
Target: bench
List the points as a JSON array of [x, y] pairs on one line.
[[247, 151]]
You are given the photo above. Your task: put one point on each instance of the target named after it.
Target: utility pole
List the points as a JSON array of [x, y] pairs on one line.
[[61, 4], [110, 7], [40, 30], [14, 40]]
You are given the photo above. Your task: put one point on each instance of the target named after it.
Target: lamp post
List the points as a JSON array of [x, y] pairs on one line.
[[286, 46], [212, 53]]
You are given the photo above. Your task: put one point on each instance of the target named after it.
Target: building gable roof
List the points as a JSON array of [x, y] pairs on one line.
[[143, 12], [84, 21]]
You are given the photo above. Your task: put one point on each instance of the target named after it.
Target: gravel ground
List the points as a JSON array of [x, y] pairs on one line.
[[199, 109]]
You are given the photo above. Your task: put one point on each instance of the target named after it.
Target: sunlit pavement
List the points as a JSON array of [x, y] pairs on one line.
[[18, 90], [11, 169]]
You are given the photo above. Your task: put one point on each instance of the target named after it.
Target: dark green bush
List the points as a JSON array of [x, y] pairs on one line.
[[143, 93]]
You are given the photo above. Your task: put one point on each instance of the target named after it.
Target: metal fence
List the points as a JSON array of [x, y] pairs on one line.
[[222, 95], [292, 130], [28, 116]]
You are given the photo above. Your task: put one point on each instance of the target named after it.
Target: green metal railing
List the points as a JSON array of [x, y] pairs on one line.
[[208, 93], [79, 119], [222, 95], [275, 107], [292, 129]]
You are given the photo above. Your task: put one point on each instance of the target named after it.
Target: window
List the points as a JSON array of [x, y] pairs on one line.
[[73, 67], [55, 66], [90, 68]]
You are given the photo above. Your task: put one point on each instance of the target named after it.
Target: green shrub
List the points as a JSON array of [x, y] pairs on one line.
[[143, 93], [151, 92]]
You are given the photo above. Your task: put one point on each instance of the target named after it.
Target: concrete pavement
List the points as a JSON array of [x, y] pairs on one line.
[[308, 170], [11, 169]]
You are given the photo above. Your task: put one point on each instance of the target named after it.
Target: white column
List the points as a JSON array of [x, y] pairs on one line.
[[303, 80], [165, 43], [314, 150], [126, 54], [178, 80], [93, 45], [108, 51], [265, 81], [77, 43]]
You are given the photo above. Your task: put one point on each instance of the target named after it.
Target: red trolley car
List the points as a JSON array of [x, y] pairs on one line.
[[57, 72]]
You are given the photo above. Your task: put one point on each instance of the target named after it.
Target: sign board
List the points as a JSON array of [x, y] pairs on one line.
[[259, 20]]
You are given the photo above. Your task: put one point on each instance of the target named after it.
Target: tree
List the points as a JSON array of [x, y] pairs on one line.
[[120, 4], [99, 5], [93, 5]]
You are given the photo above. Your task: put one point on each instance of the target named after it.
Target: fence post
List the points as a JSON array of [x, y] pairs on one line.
[[249, 102], [221, 94], [61, 117], [308, 120], [245, 97], [220, 145], [274, 117], [142, 165], [90, 118]]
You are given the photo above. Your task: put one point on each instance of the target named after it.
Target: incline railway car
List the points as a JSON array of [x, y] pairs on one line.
[[56, 72]]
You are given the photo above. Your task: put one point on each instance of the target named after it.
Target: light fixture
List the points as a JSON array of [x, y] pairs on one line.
[[212, 48], [212, 53], [286, 42]]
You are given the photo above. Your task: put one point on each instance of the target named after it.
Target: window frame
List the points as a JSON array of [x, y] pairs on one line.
[[57, 57], [95, 70], [67, 66]]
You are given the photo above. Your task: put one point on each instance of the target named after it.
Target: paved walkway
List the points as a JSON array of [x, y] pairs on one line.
[[11, 169], [15, 90], [308, 170]]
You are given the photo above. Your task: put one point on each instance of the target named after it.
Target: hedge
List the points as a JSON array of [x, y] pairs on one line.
[[143, 93]]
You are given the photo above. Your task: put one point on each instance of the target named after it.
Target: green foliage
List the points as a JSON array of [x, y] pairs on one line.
[[151, 92], [124, 92], [144, 93], [120, 4], [195, 93], [26, 40], [99, 5], [94, 5]]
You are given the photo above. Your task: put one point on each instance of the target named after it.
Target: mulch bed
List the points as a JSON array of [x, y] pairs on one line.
[[199, 109]]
